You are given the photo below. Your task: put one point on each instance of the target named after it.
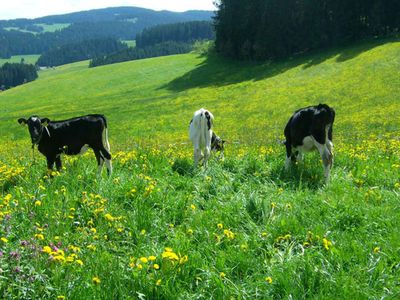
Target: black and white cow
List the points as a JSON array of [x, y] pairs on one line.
[[308, 129], [73, 136], [202, 136]]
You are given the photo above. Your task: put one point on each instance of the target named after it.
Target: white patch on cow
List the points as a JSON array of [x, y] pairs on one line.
[[308, 144], [84, 149], [34, 119], [201, 136]]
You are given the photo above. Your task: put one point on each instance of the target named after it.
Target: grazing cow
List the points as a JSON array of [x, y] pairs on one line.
[[310, 128], [203, 138], [73, 136]]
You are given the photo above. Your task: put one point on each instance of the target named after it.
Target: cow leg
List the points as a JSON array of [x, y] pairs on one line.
[[100, 160], [327, 157], [289, 155], [207, 152], [329, 144], [106, 156], [196, 156], [50, 163], [58, 163]]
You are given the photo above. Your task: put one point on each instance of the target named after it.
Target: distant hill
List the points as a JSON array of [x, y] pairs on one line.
[[35, 36], [141, 17]]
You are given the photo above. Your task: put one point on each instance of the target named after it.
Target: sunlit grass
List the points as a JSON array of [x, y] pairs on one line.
[[242, 228]]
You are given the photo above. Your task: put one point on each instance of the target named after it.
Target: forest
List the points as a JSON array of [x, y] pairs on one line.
[[271, 29], [86, 49], [13, 74], [161, 40]]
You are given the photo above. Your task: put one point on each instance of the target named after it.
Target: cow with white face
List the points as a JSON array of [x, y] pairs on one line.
[[309, 129], [73, 136], [202, 136]]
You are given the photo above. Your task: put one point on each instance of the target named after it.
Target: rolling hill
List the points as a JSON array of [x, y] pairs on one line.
[[243, 228]]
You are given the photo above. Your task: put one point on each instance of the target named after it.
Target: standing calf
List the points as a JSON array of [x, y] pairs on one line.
[[73, 136], [203, 138], [310, 128]]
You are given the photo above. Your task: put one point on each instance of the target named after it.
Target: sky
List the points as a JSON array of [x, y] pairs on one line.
[[12, 9]]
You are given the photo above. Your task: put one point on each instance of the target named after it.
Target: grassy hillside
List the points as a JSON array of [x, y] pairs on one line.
[[243, 227], [29, 59]]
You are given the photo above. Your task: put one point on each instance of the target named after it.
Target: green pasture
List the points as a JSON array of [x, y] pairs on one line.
[[243, 228], [28, 59]]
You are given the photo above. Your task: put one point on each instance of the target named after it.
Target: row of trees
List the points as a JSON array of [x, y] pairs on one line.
[[161, 40], [178, 32], [161, 49], [86, 49], [260, 29], [13, 74], [13, 42]]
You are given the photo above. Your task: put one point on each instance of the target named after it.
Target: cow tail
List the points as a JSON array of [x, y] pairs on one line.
[[105, 141]]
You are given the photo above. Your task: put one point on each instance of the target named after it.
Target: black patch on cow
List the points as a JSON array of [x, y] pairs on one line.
[[68, 136], [309, 121]]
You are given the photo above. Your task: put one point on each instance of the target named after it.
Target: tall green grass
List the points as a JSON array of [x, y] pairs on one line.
[[243, 228]]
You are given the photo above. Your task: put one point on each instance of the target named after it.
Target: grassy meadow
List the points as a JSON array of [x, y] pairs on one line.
[[241, 229], [29, 59]]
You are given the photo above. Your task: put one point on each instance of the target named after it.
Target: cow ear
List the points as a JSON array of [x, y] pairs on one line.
[[22, 121], [45, 121]]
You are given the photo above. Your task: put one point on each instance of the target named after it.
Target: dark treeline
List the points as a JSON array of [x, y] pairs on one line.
[[178, 32], [260, 29], [13, 74], [80, 51], [162, 40], [15, 42], [118, 22], [161, 49]]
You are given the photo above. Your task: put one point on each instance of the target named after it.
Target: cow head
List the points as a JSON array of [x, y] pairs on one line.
[[36, 126], [218, 144]]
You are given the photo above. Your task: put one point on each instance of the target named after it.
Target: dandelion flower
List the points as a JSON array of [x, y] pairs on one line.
[[268, 279], [4, 240], [96, 280], [38, 203], [222, 275], [377, 249], [158, 282], [220, 226], [156, 266]]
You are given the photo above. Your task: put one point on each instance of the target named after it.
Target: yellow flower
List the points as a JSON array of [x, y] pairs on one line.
[[4, 240], [268, 279], [193, 207], [264, 234], [79, 262], [119, 229], [143, 259], [158, 282], [93, 230], [377, 249], [326, 243], [96, 280], [139, 266], [38, 203], [46, 249], [222, 275], [109, 217], [156, 266], [143, 232], [91, 247], [60, 297], [190, 231], [39, 236], [220, 226], [152, 258]]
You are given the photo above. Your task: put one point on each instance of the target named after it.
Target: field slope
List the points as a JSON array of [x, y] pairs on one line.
[[242, 228]]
